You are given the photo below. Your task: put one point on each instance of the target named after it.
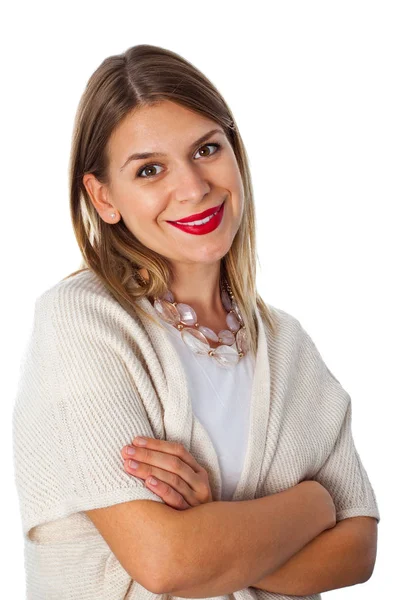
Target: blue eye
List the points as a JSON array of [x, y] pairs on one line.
[[148, 166]]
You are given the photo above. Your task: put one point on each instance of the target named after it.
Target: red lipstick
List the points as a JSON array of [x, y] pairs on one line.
[[198, 216], [201, 229]]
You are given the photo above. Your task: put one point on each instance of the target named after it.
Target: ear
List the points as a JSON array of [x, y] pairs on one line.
[[98, 194]]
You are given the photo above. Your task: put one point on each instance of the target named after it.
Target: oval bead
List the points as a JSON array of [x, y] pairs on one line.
[[226, 337], [169, 296], [195, 340], [167, 311], [235, 307], [232, 322], [209, 333], [187, 313], [226, 356], [226, 300], [196, 336], [242, 340]]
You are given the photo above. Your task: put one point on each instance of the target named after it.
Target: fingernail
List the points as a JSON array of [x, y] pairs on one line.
[[153, 481], [131, 451], [141, 441], [133, 464]]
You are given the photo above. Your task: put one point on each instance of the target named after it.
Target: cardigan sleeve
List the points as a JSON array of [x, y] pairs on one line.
[[342, 473], [75, 408], [344, 476]]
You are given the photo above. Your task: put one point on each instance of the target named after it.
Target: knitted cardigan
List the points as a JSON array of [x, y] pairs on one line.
[[93, 377]]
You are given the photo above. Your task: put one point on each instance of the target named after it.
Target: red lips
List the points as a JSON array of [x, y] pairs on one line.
[[208, 227], [198, 216]]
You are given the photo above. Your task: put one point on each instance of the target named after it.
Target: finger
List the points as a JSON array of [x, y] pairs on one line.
[[168, 494], [166, 461], [170, 480], [174, 448]]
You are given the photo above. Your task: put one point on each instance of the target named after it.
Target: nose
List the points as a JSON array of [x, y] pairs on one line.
[[190, 184]]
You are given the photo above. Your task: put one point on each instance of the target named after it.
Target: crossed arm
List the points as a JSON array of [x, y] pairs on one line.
[[338, 557]]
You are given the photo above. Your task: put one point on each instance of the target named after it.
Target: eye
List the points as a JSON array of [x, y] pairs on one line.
[[145, 168], [151, 165], [217, 146]]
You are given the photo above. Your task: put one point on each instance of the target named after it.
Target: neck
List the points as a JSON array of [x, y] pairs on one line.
[[201, 290]]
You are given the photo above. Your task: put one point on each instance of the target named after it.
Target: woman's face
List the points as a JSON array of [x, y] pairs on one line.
[[181, 179]]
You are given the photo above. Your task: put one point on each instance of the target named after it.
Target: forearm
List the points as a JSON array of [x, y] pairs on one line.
[[332, 560], [222, 547]]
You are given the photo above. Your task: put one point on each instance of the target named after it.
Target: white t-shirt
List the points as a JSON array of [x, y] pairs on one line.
[[221, 401]]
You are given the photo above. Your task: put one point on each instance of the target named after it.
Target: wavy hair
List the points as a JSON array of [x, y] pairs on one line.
[[145, 75]]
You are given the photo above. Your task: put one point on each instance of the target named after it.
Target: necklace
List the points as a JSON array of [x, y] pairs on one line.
[[196, 336]]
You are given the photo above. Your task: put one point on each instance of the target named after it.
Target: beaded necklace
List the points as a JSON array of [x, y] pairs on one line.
[[196, 336]]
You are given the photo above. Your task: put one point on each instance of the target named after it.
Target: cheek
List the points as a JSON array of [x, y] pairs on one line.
[[233, 182], [238, 179], [230, 176], [142, 215], [140, 204], [238, 197]]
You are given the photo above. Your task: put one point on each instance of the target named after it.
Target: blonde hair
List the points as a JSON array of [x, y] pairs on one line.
[[145, 75]]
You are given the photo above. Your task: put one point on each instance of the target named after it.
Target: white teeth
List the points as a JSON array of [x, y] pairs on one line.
[[198, 222]]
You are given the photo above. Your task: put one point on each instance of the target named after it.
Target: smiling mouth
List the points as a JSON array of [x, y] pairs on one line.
[[199, 221]]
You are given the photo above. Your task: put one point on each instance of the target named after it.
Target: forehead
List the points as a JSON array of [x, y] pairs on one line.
[[155, 128]]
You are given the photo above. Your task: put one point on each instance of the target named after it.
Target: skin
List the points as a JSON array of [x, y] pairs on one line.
[[187, 180], [181, 481]]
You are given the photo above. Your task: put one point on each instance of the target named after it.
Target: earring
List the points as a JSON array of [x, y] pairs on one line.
[[112, 215]]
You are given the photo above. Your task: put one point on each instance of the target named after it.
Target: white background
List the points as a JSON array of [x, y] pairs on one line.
[[314, 87]]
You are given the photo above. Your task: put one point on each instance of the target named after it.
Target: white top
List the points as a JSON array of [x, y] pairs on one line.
[[95, 376], [220, 399]]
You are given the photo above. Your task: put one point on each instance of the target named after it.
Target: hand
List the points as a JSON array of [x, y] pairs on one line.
[[181, 481]]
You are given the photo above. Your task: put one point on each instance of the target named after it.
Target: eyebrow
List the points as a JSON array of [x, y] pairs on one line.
[[142, 155]]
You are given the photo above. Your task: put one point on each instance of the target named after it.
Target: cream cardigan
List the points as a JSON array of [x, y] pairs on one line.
[[93, 377]]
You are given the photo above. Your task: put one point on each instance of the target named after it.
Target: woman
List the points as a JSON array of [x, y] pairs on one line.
[[162, 335]]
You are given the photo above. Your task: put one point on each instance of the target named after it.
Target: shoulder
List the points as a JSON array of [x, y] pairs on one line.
[[78, 318], [292, 344], [74, 290], [287, 328], [81, 301]]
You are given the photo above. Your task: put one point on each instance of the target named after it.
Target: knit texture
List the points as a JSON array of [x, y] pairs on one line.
[[93, 377]]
